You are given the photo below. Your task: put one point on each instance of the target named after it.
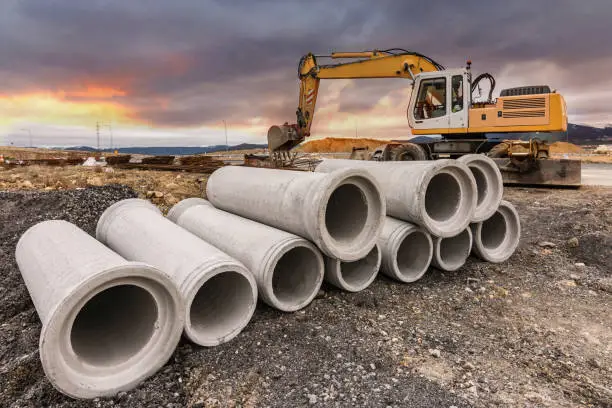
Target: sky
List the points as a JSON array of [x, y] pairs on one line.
[[169, 73]]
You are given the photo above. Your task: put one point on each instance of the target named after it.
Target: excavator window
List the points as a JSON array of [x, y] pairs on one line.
[[457, 99], [431, 102]]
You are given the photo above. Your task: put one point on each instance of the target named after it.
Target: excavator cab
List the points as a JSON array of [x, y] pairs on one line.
[[440, 101]]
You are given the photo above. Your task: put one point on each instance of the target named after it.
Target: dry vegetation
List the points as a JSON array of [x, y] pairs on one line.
[[164, 188]]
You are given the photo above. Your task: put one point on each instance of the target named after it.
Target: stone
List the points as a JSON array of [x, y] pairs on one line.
[[546, 244], [435, 353], [573, 242]]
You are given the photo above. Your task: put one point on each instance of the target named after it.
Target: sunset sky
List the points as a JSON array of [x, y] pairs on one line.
[[168, 73]]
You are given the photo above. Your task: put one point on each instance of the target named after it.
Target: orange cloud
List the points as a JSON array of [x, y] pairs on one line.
[[55, 108]]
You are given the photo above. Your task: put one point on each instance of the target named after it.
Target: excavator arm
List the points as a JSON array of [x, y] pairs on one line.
[[393, 63]]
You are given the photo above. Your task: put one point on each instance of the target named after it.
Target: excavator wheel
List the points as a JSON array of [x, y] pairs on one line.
[[409, 152], [499, 151]]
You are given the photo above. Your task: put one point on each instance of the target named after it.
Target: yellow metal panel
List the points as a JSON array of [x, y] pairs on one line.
[[528, 113]]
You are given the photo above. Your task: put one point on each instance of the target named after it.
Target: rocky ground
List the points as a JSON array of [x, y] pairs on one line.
[[534, 331]]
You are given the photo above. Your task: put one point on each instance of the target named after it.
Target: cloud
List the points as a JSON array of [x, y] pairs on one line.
[[195, 63]]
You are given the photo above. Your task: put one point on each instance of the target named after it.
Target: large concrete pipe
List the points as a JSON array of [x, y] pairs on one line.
[[341, 212], [353, 276], [219, 293], [439, 195], [451, 253], [107, 324], [489, 184], [496, 238], [406, 250], [288, 268]]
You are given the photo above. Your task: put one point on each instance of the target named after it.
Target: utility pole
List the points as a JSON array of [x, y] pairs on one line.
[[98, 135], [225, 126]]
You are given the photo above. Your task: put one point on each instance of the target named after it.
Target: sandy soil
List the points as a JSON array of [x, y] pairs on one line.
[[534, 331]]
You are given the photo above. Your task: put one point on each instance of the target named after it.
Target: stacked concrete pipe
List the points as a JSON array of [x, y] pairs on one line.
[[353, 276], [219, 293], [341, 212], [451, 253], [107, 323], [439, 195], [496, 238], [406, 250], [489, 184], [288, 268]]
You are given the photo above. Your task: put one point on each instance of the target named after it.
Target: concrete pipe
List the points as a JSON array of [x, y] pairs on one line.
[[406, 250], [219, 293], [353, 276], [451, 253], [496, 238], [341, 212], [107, 324], [439, 195], [288, 269], [489, 184]]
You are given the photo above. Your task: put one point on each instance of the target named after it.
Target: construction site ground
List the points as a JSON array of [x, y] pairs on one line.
[[534, 331]]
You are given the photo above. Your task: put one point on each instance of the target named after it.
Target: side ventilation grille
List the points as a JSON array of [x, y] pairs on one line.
[[531, 103]]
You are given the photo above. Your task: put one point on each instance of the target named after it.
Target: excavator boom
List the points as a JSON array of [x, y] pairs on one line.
[[392, 63]]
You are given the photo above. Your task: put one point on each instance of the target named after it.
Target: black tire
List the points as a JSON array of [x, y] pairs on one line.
[[409, 152], [499, 151]]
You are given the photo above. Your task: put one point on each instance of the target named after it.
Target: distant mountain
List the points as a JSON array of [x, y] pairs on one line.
[[173, 150], [588, 135]]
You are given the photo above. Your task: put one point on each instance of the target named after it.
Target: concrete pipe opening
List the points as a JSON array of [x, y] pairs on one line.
[[354, 276], [346, 213], [413, 256], [221, 308], [442, 197], [481, 185], [496, 238], [354, 211], [489, 185], [296, 278], [493, 231], [449, 200], [114, 325], [359, 274], [451, 253]]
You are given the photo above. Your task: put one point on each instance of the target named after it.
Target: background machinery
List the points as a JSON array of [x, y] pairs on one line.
[[512, 128]]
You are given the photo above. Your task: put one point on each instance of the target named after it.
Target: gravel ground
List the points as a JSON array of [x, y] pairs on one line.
[[533, 331]]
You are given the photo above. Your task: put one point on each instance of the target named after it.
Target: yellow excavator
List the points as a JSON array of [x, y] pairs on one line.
[[443, 111]]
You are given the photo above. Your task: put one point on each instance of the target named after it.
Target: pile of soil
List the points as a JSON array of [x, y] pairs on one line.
[[339, 145], [565, 147]]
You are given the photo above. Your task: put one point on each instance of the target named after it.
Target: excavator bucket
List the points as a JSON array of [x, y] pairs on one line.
[[283, 138], [543, 172]]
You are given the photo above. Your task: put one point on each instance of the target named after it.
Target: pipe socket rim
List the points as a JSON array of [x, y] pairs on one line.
[[190, 289], [506, 247], [109, 214], [464, 181], [334, 273], [79, 379], [397, 239], [464, 239], [489, 184], [178, 209], [274, 255], [359, 246]]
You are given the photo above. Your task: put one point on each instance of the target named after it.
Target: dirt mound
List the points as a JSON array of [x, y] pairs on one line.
[[565, 147], [339, 145]]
